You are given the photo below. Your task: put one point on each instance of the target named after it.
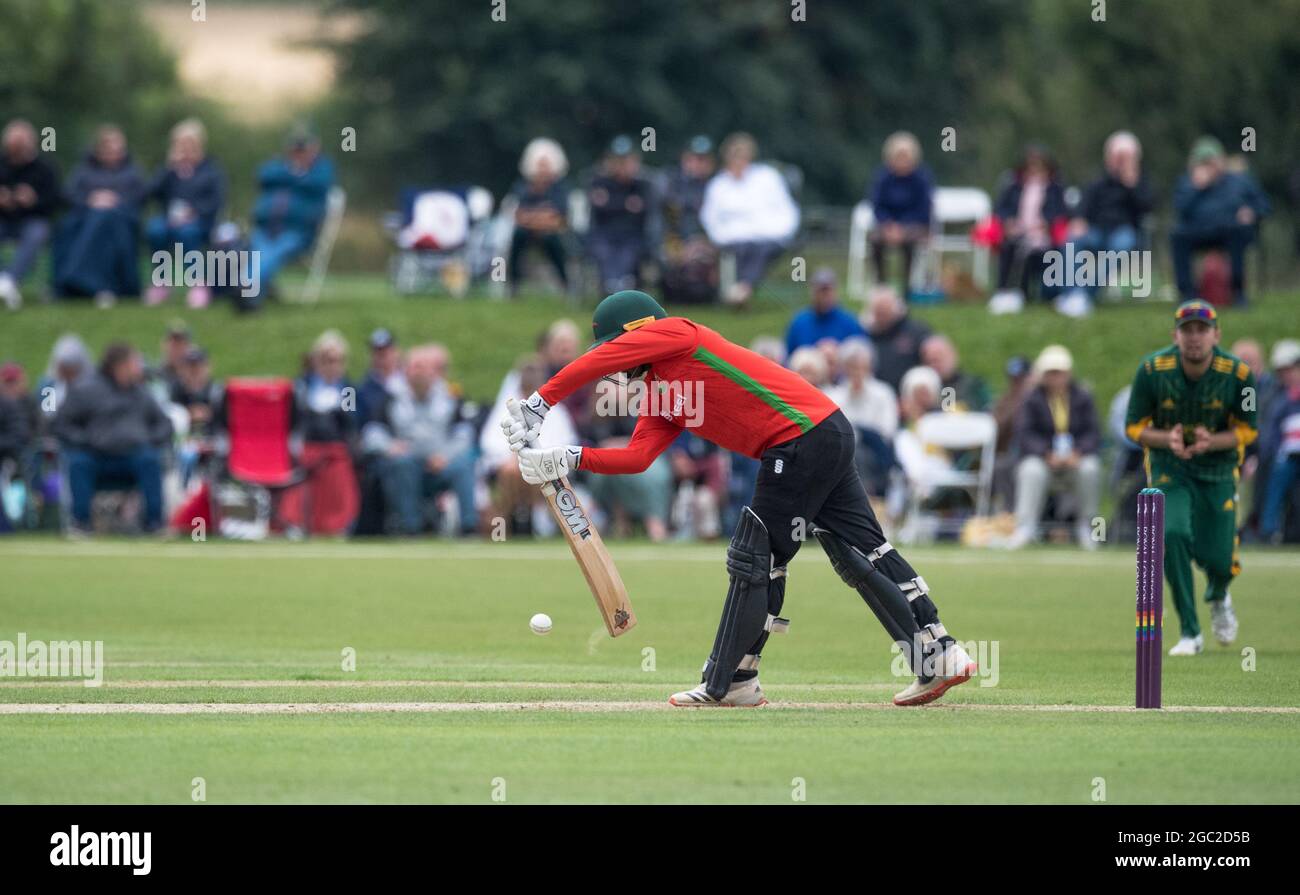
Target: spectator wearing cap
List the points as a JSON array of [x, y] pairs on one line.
[[425, 445], [20, 424], [14, 386], [690, 260], [901, 197], [684, 192], [1214, 209], [291, 201], [622, 203], [196, 391], [748, 212], [1058, 439], [382, 376], [176, 342], [1006, 410], [17, 427], [969, 392], [1280, 443], [112, 432], [824, 318], [895, 335], [541, 198], [191, 189], [95, 251], [1112, 212], [871, 406], [69, 365], [29, 197]]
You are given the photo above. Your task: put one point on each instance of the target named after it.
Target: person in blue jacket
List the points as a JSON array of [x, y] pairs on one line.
[[290, 206], [824, 318], [901, 197], [1216, 208]]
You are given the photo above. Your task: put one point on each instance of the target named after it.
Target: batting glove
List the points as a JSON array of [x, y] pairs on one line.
[[541, 465], [523, 424]]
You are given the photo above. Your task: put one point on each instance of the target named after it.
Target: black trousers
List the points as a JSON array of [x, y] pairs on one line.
[[813, 480]]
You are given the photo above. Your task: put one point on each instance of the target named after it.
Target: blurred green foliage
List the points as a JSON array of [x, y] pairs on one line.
[[443, 91], [75, 64]]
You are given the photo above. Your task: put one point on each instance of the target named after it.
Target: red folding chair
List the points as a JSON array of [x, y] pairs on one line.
[[259, 422]]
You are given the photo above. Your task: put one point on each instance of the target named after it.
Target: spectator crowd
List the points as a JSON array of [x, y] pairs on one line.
[[95, 221], [402, 451], [707, 229]]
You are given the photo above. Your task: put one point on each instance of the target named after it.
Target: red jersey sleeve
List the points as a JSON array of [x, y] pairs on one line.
[[650, 438], [652, 342]]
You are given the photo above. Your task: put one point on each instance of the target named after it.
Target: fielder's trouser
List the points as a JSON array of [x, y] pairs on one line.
[[1200, 527], [813, 481], [1035, 480]]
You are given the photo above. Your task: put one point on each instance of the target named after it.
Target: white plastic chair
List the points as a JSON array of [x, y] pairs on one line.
[[861, 223], [959, 207], [954, 431], [336, 202]]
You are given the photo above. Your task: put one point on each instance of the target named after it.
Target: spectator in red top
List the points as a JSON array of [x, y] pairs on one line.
[[695, 379]]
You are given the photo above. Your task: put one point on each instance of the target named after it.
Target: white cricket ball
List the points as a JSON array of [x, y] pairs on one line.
[[540, 623]]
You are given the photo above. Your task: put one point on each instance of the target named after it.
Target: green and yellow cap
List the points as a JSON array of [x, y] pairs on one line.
[[621, 313]]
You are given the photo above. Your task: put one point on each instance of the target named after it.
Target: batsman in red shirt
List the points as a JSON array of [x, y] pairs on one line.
[[807, 482]]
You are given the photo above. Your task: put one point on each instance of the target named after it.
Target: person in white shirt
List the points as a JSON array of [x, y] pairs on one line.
[[749, 213], [919, 395], [872, 407]]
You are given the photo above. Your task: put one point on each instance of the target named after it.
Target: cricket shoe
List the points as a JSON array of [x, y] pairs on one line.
[[1188, 646], [954, 667], [1223, 620], [743, 694]]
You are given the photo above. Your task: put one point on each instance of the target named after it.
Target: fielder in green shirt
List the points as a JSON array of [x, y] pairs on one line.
[[1192, 408]]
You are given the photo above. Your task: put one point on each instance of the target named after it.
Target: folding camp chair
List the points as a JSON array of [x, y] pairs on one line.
[[258, 466], [953, 432]]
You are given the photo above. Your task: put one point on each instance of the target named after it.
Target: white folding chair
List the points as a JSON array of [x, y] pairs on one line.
[[959, 207], [860, 225], [335, 204], [954, 431]]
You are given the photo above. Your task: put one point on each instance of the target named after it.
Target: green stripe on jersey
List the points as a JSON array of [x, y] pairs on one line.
[[754, 387]]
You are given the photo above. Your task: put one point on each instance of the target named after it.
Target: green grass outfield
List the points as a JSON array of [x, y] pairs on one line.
[[486, 336], [224, 662]]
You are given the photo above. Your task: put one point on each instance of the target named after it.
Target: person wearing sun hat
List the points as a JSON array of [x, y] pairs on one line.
[[1058, 440], [1193, 411]]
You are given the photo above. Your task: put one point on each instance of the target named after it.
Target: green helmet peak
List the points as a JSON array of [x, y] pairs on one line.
[[623, 312]]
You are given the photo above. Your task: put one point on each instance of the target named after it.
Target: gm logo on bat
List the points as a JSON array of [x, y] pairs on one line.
[[572, 512]]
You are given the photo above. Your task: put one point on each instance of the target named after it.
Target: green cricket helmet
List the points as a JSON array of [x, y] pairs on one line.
[[623, 312]]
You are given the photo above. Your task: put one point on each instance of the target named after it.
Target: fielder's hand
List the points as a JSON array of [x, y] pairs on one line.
[[541, 465], [523, 423]]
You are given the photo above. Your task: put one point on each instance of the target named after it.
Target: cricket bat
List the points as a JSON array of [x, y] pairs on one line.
[[589, 550], [594, 560]]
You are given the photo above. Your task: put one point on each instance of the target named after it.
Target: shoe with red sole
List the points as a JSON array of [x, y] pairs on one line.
[[955, 667]]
